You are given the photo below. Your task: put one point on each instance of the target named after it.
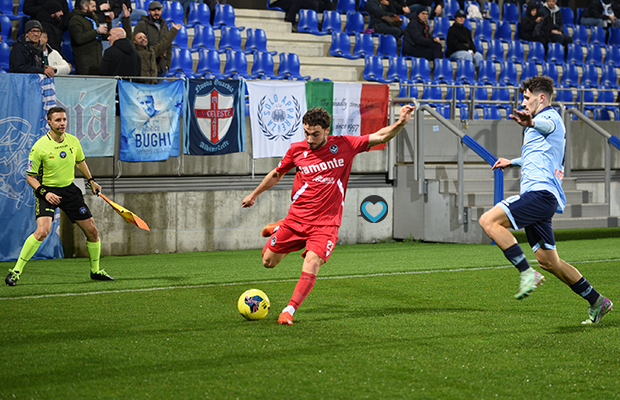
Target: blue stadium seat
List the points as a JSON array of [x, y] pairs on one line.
[[614, 37], [529, 70], [580, 35], [7, 30], [263, 66], [594, 55], [491, 112], [398, 71], [355, 23], [483, 31], [609, 77], [492, 10], [588, 97], [420, 70], [574, 54], [481, 94], [6, 8], [570, 75], [551, 70], [230, 39], [173, 12], [236, 65], [199, 14], [465, 72], [364, 45], [256, 40], [502, 94], [5, 52], [479, 45], [140, 4], [508, 73], [495, 51], [67, 52], [511, 13], [362, 5], [270, 7], [430, 94], [589, 76], [332, 22], [225, 16], [608, 97], [443, 71], [373, 69], [204, 38], [487, 74], [536, 53], [564, 96], [555, 53], [450, 7], [387, 46], [346, 6], [515, 53], [181, 64], [289, 67], [601, 114], [440, 27], [503, 31], [597, 35], [568, 16], [209, 64], [612, 56], [341, 46], [309, 22], [180, 40]]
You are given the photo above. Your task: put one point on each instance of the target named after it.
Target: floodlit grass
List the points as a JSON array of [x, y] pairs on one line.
[[386, 321]]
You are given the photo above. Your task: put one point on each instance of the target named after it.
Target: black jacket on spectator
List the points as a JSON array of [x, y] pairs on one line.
[[54, 28], [26, 58], [553, 21], [595, 10], [418, 41], [528, 26], [377, 10], [32, 7], [121, 59], [459, 38]]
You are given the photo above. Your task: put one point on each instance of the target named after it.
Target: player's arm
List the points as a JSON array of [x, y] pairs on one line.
[[386, 134], [270, 179], [83, 167]]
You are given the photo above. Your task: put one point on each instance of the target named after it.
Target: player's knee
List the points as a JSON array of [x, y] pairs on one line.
[[269, 263], [485, 221], [41, 233]]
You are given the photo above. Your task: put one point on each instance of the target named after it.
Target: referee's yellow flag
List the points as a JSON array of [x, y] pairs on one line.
[[126, 214]]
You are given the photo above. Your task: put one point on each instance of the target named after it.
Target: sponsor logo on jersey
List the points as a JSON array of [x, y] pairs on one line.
[[273, 240], [333, 148], [323, 166], [63, 154], [29, 165]]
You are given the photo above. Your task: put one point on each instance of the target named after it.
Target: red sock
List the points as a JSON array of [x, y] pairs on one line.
[[302, 289]]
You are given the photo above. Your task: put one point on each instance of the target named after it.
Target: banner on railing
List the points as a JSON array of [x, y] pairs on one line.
[[150, 116], [276, 110], [216, 117], [91, 110], [22, 123]]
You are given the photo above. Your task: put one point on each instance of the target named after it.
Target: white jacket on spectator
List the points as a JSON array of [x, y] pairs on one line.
[[55, 60]]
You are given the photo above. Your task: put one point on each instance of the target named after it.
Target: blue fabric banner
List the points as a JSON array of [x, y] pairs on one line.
[[22, 122], [216, 117], [150, 116], [91, 109]]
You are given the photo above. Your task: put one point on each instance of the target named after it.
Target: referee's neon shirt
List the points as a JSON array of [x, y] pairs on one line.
[[53, 163]]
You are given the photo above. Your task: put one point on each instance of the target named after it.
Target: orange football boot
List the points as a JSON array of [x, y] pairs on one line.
[[285, 318], [269, 229]]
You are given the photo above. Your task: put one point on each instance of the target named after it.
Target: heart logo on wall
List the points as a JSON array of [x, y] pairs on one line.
[[374, 209]]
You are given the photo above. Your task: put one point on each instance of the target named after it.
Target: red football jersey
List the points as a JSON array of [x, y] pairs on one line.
[[324, 175]]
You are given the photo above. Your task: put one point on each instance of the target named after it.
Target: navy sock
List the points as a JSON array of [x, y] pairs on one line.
[[515, 255], [585, 290]]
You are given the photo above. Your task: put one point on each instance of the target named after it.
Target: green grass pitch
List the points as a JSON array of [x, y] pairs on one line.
[[404, 320]]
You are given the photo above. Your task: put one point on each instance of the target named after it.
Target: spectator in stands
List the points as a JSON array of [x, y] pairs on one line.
[[135, 14], [553, 26], [434, 11], [292, 7], [53, 58], [121, 59], [384, 17], [27, 54], [532, 25], [54, 22], [459, 42], [603, 13], [148, 54], [33, 7], [418, 41], [155, 29], [86, 37]]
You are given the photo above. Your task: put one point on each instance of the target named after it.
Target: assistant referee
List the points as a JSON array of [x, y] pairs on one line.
[[51, 172]]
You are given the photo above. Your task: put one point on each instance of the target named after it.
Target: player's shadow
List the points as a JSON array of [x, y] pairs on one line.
[[387, 312], [604, 324]]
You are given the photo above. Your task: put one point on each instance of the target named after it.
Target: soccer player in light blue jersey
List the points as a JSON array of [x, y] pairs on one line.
[[541, 196]]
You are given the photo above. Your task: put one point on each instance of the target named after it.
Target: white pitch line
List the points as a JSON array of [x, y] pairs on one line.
[[45, 296]]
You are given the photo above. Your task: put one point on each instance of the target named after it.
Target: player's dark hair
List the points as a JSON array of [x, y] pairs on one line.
[[317, 116], [538, 84], [55, 110]]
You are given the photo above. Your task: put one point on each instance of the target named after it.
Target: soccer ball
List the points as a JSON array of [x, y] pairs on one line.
[[253, 304]]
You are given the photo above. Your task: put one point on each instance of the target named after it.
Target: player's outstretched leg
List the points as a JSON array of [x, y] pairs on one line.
[[269, 229], [30, 247], [94, 252], [596, 311], [302, 289]]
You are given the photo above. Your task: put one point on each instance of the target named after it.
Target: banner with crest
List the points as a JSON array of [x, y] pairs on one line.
[[276, 111], [216, 122]]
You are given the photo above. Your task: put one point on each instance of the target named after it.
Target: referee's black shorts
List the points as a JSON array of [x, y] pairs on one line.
[[71, 202]]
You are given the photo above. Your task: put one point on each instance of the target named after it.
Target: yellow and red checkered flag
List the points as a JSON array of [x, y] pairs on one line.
[[127, 215]]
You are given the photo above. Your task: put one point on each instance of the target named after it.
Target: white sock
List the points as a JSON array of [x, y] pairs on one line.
[[289, 309]]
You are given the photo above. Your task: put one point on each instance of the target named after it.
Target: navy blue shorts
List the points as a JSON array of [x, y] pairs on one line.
[[533, 211]]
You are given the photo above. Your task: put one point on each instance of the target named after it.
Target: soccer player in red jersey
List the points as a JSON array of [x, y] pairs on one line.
[[313, 219]]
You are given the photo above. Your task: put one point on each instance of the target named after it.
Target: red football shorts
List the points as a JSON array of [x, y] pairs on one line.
[[292, 236]]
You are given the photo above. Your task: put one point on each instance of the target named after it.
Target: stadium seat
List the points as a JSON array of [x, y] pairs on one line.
[[174, 12], [597, 35], [495, 51], [355, 23], [481, 94], [580, 35], [608, 97], [515, 53], [601, 114], [479, 45], [332, 22], [373, 69], [594, 55], [289, 67], [362, 5], [5, 52], [230, 39], [568, 16], [503, 31], [609, 77], [612, 56], [140, 4], [529, 70], [67, 52], [236, 65], [256, 40], [511, 13], [589, 76], [487, 74], [6, 8], [555, 53], [204, 38], [346, 6], [536, 52], [341, 46], [574, 54], [398, 71], [614, 37], [270, 7], [508, 73], [7, 30], [588, 97], [430, 94], [405, 21], [502, 94], [440, 27], [465, 72], [492, 10], [564, 94], [225, 16], [443, 71], [387, 46], [483, 31], [450, 7], [309, 22], [181, 64], [551, 70], [263, 66], [199, 14], [364, 45], [420, 70], [491, 112], [180, 40], [209, 64], [570, 75]]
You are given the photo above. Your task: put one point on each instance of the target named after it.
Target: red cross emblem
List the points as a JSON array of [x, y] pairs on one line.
[[214, 113]]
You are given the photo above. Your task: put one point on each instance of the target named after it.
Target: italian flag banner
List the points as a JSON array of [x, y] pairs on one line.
[[356, 108]]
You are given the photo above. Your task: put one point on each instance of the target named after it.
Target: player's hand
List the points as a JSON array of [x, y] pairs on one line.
[[405, 113], [248, 201], [177, 26], [501, 163], [49, 71], [52, 198], [523, 118], [95, 187]]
